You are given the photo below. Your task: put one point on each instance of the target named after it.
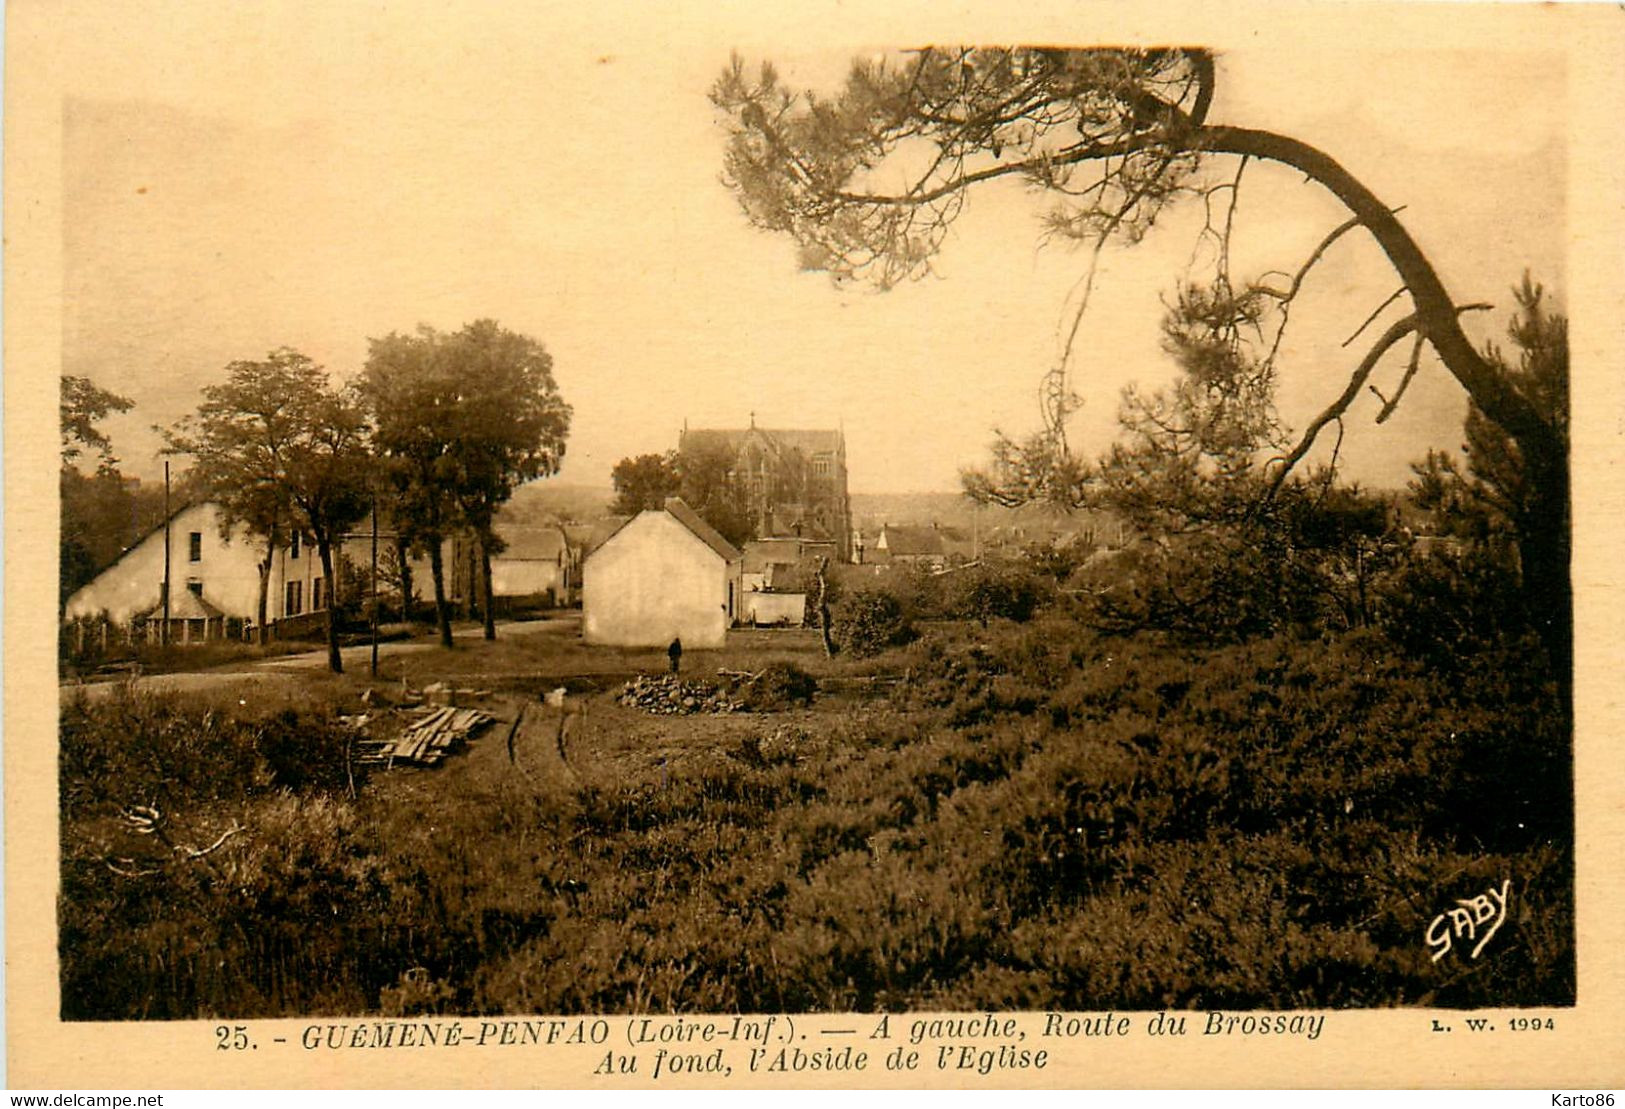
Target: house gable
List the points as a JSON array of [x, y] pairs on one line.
[[222, 573], [658, 576]]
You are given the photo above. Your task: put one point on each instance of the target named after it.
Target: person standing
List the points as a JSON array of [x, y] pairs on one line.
[[675, 653]]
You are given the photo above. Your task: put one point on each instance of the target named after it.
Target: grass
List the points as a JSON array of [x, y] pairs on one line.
[[1034, 818]]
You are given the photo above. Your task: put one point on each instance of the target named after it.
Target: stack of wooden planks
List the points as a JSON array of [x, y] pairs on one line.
[[429, 738]]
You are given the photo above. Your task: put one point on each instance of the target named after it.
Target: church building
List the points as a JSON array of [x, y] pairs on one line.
[[792, 484]]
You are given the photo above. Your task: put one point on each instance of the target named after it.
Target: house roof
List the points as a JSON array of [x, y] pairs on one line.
[[184, 605], [589, 537], [711, 537], [762, 553], [730, 439], [905, 541], [531, 542]]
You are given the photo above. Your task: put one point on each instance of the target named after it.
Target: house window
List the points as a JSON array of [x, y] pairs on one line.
[[195, 587], [822, 464], [194, 547], [293, 548], [295, 599], [316, 594]]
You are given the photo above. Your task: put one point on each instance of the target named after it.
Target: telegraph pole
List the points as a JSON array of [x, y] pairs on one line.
[[165, 630], [375, 585]]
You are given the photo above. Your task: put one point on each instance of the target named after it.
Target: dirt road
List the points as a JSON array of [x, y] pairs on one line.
[[285, 670]]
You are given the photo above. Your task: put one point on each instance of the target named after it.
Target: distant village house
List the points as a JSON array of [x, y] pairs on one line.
[[537, 567]]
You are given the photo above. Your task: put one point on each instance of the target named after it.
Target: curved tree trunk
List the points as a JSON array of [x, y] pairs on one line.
[[1436, 313], [1544, 542]]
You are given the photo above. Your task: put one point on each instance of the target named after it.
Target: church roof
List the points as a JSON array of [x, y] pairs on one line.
[[731, 439]]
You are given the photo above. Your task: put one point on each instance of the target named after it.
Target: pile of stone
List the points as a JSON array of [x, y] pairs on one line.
[[668, 695]]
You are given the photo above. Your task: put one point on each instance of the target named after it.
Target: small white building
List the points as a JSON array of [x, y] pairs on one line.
[[537, 564], [663, 573]]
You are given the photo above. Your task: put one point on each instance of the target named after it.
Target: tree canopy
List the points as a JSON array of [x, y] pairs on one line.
[[870, 179], [1109, 136], [702, 477], [461, 420], [644, 482], [101, 512], [280, 449], [84, 406]]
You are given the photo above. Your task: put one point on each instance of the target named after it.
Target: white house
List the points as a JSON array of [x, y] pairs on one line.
[[207, 573], [535, 561], [663, 573], [212, 579]]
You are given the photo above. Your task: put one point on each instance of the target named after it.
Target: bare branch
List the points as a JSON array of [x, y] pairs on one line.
[[1388, 405], [1335, 410], [1397, 331], [129, 870], [1314, 256], [198, 853], [1393, 296]]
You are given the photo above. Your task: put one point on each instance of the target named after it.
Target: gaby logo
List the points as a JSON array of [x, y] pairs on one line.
[[1476, 919]]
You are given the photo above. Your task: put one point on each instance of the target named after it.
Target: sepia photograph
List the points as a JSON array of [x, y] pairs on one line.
[[565, 520]]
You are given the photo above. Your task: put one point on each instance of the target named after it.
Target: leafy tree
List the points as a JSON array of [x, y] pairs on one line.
[[409, 392], [1228, 550], [461, 420], [988, 590], [281, 451], [1512, 479], [1192, 456], [84, 405], [1111, 137], [1039, 469], [102, 513], [702, 477], [644, 482], [1055, 561], [511, 425], [705, 482], [239, 439]]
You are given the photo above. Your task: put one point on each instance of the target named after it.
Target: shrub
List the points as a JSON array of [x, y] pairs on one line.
[[987, 591], [1036, 816], [776, 687], [871, 621]]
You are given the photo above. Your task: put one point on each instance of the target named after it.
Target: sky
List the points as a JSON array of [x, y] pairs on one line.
[[315, 175]]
